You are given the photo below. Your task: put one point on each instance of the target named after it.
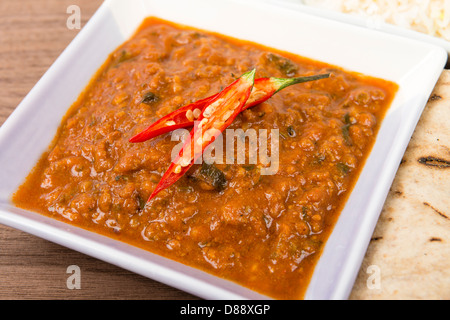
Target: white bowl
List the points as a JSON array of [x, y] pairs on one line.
[[361, 21], [415, 66]]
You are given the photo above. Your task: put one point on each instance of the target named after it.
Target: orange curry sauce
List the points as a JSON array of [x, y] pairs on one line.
[[265, 232]]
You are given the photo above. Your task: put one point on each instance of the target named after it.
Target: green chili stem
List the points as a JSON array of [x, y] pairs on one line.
[[286, 82]]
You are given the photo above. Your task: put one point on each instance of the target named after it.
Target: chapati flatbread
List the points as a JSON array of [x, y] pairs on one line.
[[409, 254]]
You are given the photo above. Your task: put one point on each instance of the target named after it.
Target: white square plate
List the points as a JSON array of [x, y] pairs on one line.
[[415, 66]]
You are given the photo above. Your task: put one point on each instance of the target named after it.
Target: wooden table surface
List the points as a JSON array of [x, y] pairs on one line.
[[32, 35]]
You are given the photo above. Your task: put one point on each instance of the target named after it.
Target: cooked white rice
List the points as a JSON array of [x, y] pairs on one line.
[[427, 16]]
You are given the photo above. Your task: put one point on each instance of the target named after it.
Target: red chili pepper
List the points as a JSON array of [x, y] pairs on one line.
[[180, 118], [218, 114], [263, 89]]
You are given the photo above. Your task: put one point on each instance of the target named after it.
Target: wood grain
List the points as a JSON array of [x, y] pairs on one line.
[[32, 35]]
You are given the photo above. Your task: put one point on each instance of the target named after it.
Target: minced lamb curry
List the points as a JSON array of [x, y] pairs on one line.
[[265, 232]]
